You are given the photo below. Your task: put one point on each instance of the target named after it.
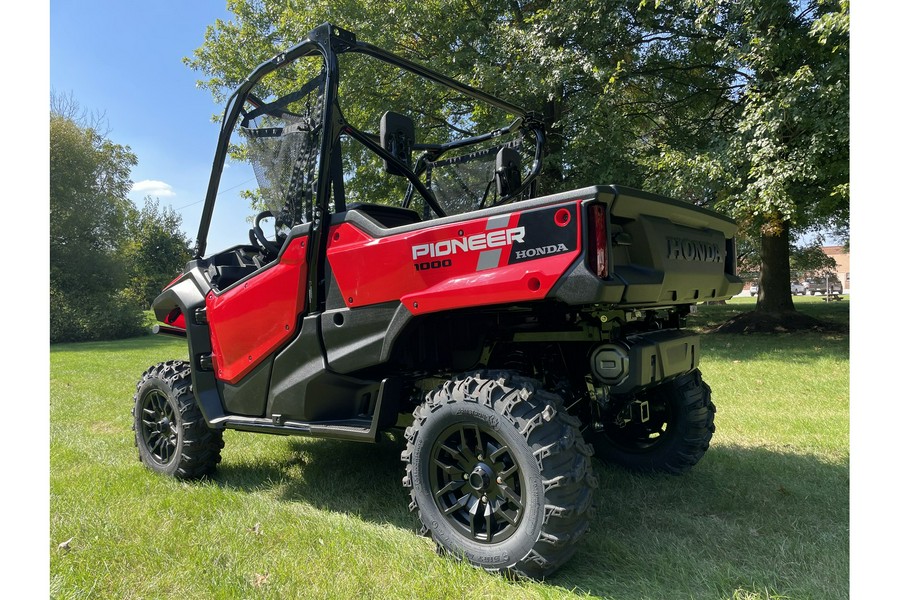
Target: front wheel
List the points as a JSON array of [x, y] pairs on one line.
[[169, 430], [666, 428], [499, 474]]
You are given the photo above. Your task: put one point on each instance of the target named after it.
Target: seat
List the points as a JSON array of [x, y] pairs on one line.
[[385, 215]]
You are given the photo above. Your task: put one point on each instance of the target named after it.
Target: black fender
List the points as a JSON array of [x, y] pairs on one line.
[[188, 294]]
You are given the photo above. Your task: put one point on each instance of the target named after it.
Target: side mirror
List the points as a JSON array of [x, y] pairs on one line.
[[398, 134], [508, 174]]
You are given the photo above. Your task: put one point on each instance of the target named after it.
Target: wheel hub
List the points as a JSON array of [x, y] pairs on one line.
[[481, 477]]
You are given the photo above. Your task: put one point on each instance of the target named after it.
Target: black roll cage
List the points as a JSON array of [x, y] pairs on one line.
[[329, 41]]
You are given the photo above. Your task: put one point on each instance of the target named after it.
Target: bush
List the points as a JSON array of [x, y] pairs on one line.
[[77, 317]]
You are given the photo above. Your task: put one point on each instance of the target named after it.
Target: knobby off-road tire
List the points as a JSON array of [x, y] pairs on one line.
[[169, 431], [499, 474], [676, 436]]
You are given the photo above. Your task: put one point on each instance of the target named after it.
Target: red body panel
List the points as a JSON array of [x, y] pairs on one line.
[[250, 321], [472, 263]]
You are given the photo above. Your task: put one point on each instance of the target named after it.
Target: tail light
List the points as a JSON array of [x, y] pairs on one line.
[[597, 240]]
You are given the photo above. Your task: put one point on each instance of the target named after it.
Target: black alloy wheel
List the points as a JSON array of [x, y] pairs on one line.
[[169, 430], [499, 473], [159, 427], [476, 483]]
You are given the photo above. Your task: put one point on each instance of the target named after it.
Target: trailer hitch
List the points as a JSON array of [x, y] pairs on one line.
[[633, 411]]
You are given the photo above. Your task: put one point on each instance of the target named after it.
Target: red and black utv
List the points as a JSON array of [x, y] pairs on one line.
[[412, 277]]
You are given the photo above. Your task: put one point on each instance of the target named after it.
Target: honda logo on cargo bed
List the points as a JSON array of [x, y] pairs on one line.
[[685, 249]]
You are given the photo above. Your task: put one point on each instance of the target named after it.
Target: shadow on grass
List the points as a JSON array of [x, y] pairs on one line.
[[835, 315], [748, 520], [794, 349], [339, 476]]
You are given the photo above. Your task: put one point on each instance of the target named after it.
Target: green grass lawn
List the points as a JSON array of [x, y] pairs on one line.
[[764, 515]]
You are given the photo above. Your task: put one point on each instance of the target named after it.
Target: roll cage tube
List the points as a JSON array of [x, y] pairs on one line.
[[329, 41]]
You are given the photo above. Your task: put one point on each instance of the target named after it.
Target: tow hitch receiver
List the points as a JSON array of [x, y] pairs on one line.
[[643, 410], [638, 409]]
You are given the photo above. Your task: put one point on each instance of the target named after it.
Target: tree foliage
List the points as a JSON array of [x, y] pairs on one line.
[[103, 251], [806, 259], [781, 161], [155, 250], [89, 183], [811, 260]]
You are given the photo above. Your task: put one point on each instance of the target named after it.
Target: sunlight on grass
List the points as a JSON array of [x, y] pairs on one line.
[[764, 515]]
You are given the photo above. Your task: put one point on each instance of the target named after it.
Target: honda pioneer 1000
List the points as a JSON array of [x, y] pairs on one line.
[[411, 276]]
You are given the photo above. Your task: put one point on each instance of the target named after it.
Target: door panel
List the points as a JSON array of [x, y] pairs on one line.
[[251, 320]]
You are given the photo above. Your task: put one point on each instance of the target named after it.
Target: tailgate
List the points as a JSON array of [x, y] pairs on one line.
[[666, 250]]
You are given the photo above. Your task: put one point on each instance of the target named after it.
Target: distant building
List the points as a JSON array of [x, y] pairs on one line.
[[842, 258], [842, 270]]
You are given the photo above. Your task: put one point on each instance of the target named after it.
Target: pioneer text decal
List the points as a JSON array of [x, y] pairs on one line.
[[471, 243]]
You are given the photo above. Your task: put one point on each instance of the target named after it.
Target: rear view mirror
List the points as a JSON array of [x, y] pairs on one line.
[[398, 134], [508, 171]]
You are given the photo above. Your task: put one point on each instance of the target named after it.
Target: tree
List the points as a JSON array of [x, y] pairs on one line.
[[782, 165], [805, 259], [89, 183], [155, 251], [811, 260]]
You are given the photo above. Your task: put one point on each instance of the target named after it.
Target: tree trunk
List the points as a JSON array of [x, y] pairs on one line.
[[775, 312], [775, 272]]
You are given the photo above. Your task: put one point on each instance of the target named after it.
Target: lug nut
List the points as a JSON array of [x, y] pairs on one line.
[[500, 480], [465, 475]]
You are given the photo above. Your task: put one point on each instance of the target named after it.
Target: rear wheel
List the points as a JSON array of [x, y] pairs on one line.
[[169, 430], [499, 473], [667, 428]]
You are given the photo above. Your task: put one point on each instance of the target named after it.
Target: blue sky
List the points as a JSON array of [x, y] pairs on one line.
[[125, 59]]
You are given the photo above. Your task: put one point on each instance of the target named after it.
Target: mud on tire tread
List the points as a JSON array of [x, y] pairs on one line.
[[562, 461], [686, 443], [199, 448]]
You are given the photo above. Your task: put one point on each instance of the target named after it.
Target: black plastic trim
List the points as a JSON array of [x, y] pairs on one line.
[[189, 293], [371, 227]]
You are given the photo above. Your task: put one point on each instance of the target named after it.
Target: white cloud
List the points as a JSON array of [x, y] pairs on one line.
[[152, 187]]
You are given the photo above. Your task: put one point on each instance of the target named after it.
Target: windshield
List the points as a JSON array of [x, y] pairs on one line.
[[282, 141]]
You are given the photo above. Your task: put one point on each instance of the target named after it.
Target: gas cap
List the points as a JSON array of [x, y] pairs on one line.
[[609, 363]]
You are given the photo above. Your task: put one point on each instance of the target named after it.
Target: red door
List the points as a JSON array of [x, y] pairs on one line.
[[250, 321]]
